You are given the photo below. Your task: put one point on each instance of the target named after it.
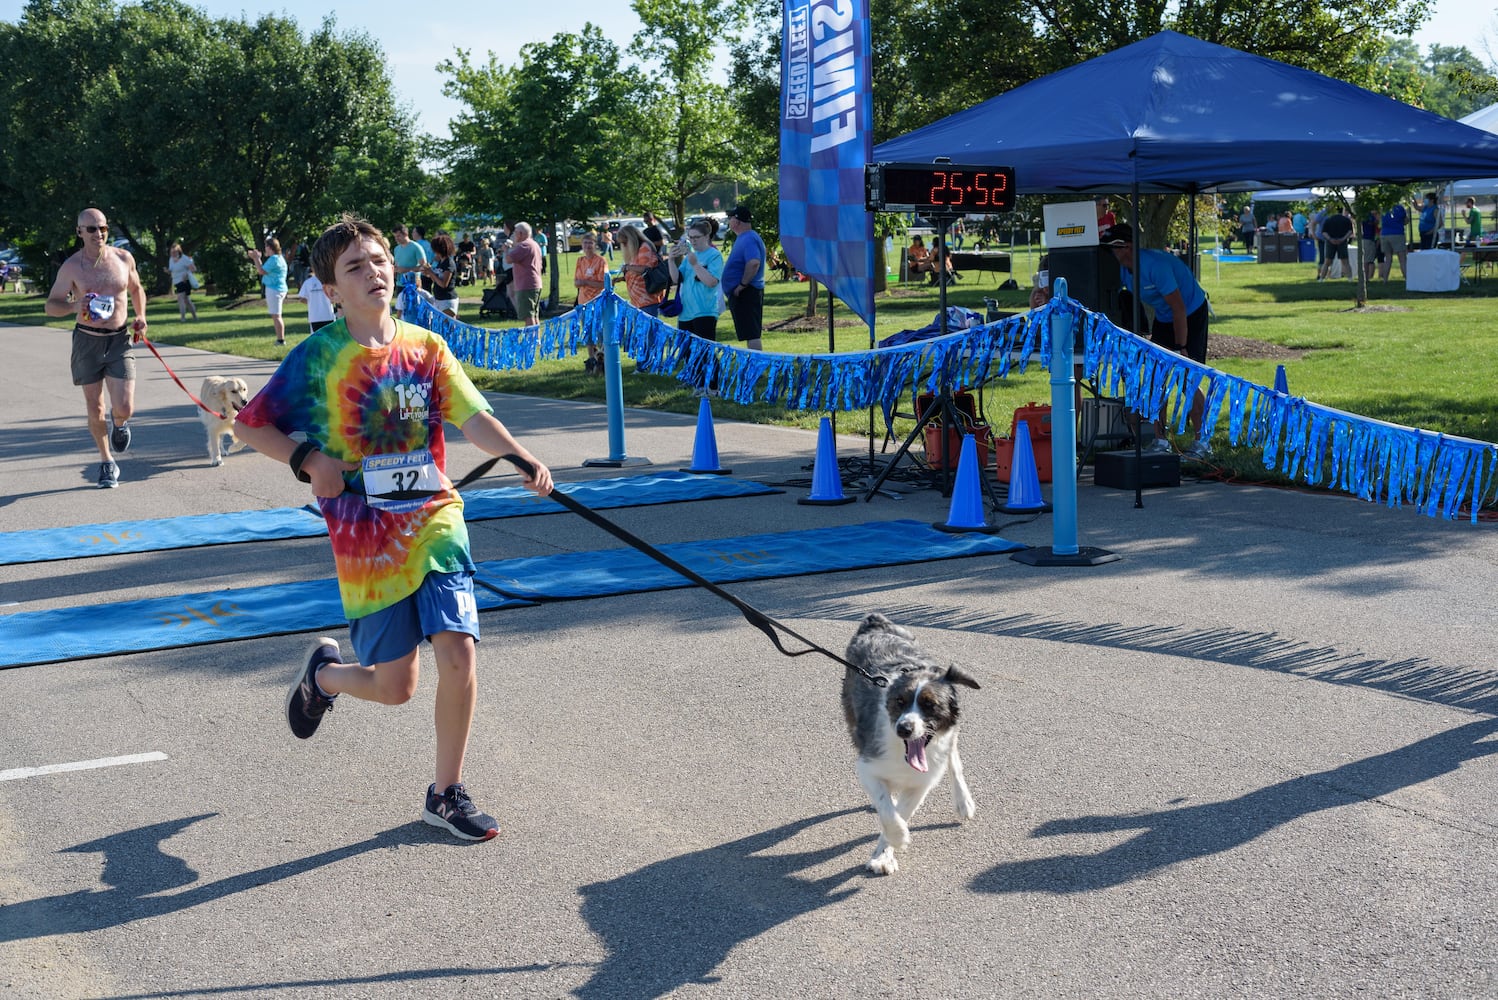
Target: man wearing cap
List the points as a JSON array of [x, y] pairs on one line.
[[744, 278], [1168, 287]]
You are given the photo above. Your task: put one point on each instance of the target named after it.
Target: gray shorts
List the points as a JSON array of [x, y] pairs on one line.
[[1392, 244], [98, 352]]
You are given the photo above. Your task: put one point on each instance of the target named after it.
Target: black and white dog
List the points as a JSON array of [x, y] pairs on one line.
[[905, 734]]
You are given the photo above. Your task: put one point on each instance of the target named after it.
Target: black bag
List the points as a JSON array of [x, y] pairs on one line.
[[658, 278]]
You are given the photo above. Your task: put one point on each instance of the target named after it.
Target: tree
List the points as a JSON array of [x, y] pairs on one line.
[[690, 130], [555, 139], [182, 127]]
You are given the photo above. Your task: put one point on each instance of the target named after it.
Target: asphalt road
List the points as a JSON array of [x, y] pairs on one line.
[[1252, 758]]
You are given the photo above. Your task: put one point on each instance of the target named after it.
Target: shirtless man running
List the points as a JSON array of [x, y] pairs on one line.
[[92, 287]]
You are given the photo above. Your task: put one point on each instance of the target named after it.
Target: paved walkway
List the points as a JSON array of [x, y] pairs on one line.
[[1252, 758]]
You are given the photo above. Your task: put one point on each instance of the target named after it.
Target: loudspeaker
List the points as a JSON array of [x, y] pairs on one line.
[[1092, 279], [1119, 470]]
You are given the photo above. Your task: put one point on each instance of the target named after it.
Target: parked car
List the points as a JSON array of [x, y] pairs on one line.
[[575, 235]]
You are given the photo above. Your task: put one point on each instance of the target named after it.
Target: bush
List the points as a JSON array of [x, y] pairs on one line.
[[224, 270]]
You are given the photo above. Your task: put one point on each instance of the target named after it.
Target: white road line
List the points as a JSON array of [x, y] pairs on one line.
[[17, 773]]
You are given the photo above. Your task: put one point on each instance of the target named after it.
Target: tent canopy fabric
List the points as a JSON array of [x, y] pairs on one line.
[[1176, 114], [1487, 120]]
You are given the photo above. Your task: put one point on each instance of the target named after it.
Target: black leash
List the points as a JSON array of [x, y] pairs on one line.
[[751, 614]]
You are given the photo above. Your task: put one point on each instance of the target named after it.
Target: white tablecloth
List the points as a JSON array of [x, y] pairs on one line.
[[1434, 271]]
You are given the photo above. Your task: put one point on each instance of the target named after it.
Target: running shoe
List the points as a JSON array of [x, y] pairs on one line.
[[119, 438], [455, 812], [109, 475], [305, 702], [1159, 446], [1200, 450]]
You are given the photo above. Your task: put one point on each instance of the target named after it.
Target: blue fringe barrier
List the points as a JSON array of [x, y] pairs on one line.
[[1437, 474]]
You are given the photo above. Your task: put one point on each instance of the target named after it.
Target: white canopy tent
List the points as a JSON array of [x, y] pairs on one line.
[[1487, 120]]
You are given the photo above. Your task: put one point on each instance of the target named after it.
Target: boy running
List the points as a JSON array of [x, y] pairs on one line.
[[370, 394]]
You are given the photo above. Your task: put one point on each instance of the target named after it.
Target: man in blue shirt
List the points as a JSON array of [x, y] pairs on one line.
[[1430, 221], [744, 279], [1167, 286], [1392, 242]]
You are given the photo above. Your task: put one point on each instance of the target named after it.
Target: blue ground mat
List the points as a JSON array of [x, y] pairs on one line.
[[121, 537], [32, 637]]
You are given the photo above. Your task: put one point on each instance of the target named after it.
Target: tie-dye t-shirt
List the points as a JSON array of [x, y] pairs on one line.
[[355, 402]]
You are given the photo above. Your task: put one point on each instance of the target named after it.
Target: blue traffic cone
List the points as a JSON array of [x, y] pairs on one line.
[[1281, 384], [705, 448], [966, 513], [826, 478], [1024, 479]]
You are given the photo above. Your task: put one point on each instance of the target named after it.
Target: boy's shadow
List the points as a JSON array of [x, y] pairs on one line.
[[1171, 836], [137, 871]]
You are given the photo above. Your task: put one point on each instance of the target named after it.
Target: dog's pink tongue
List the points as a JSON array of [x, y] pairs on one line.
[[915, 754]]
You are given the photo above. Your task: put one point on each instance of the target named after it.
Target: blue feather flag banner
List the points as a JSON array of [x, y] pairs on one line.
[[1438, 475], [826, 139]]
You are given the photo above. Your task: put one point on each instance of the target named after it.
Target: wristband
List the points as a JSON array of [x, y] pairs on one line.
[[298, 457]]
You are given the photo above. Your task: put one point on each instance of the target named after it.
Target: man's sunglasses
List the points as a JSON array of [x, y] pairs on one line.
[[94, 229]]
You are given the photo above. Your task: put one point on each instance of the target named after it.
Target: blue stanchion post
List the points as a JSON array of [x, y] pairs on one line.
[[1064, 550], [613, 385], [1063, 429]]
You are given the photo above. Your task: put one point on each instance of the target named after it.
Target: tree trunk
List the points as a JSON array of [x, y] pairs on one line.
[[811, 298]]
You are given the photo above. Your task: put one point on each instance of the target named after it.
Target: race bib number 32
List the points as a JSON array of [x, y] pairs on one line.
[[401, 483]]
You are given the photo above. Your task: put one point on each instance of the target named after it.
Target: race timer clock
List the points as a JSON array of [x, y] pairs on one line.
[[938, 187]]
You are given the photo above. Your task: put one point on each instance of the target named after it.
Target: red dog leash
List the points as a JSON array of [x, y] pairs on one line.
[[206, 408]]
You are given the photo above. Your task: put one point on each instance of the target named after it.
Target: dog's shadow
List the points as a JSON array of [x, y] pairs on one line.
[[671, 923]]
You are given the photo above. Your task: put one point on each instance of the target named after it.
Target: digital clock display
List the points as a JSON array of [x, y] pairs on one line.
[[952, 187]]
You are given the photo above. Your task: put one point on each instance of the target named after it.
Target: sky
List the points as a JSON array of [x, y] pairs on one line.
[[415, 43]]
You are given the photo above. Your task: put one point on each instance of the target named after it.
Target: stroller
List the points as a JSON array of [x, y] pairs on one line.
[[497, 303]]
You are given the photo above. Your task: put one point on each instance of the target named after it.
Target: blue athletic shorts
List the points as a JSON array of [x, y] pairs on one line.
[[443, 603]]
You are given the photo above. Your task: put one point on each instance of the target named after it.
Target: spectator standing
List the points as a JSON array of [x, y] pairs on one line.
[[371, 396], [1337, 232], [183, 272], [698, 266], [1430, 221], [272, 269], [410, 261], [542, 245], [1167, 286], [443, 272], [1247, 226], [744, 278], [1299, 223], [1317, 220], [1105, 217], [96, 286], [639, 256], [606, 242], [589, 279], [303, 262], [485, 254], [1474, 221], [1368, 242], [1391, 240], [524, 258], [959, 234]]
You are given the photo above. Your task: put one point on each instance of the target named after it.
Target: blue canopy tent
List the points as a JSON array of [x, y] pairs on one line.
[[1176, 114]]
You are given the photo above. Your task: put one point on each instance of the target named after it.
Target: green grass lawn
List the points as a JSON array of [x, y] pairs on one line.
[[1408, 358]]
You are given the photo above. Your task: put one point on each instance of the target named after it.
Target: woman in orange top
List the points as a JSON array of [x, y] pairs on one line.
[[589, 279], [640, 257], [919, 257]]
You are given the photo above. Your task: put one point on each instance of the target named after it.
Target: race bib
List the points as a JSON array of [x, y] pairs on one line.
[[401, 483], [100, 306]]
